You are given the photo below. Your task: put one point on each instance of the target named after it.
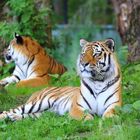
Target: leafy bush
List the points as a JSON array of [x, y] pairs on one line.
[[98, 11], [25, 17], [6, 70]]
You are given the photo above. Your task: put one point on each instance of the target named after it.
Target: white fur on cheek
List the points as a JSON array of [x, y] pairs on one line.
[[81, 68]]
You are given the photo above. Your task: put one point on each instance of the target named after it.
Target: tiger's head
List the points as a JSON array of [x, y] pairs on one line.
[[21, 48], [96, 59]]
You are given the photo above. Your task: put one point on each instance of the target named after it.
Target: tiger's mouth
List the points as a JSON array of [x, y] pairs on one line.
[[92, 74]]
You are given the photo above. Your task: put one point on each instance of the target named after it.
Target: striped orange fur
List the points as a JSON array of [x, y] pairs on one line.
[[99, 93], [32, 63]]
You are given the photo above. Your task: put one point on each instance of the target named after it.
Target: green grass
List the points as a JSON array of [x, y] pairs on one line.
[[124, 126]]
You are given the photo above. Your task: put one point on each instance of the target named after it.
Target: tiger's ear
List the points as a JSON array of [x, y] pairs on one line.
[[83, 42], [19, 39], [110, 44]]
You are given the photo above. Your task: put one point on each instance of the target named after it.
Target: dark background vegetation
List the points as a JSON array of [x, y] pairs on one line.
[[58, 25]]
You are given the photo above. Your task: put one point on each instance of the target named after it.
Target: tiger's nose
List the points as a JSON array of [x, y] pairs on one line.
[[8, 57]]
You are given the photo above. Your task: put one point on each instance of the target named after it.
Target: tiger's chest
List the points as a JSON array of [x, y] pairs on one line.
[[96, 101], [25, 70], [103, 100]]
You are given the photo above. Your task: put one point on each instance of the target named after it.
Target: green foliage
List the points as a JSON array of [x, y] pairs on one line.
[[131, 74], [123, 126], [136, 105], [122, 53], [98, 11], [73, 6], [25, 17], [66, 79], [6, 70]]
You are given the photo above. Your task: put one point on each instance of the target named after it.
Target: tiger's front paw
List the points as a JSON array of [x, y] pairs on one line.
[[3, 115], [3, 83], [14, 117]]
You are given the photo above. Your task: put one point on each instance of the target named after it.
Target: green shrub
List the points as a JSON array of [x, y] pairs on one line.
[[25, 17]]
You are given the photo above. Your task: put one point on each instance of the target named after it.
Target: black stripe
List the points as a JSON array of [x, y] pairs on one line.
[[40, 104], [54, 64], [79, 104], [61, 101], [42, 74], [39, 107], [55, 101], [25, 62], [109, 84], [17, 77], [22, 108], [106, 48], [85, 100], [66, 102], [109, 61], [13, 52], [102, 63], [88, 87], [49, 105], [31, 109], [31, 73], [92, 114], [110, 96], [111, 104], [61, 69], [30, 62], [104, 57], [49, 100], [29, 115], [34, 115], [21, 70], [13, 110], [97, 45], [51, 63], [107, 69]]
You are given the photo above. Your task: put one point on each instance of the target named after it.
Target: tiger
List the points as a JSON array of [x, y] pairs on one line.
[[32, 64], [99, 92]]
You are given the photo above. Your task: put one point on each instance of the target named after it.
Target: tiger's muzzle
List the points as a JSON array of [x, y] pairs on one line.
[[8, 57]]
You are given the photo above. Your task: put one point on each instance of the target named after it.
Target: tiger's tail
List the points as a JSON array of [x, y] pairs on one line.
[[56, 68]]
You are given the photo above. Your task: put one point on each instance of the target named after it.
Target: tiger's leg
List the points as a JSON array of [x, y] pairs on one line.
[[34, 82], [14, 116], [30, 109], [78, 113], [11, 79]]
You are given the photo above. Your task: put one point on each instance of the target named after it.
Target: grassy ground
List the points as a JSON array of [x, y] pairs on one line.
[[124, 126]]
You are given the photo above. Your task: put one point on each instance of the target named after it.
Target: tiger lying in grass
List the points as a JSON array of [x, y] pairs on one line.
[[99, 93], [32, 64]]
